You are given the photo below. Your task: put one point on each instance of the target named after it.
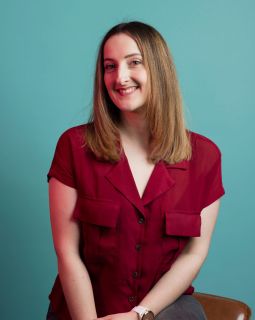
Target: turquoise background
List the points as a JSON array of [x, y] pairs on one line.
[[48, 51]]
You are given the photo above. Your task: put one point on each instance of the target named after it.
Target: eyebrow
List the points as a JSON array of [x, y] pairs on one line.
[[127, 56]]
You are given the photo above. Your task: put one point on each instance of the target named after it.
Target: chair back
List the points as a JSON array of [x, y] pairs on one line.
[[221, 308]]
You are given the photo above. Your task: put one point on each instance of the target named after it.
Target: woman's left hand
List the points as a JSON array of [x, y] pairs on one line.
[[131, 315]]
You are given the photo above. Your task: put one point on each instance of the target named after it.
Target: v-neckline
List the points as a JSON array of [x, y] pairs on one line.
[[121, 178], [133, 179]]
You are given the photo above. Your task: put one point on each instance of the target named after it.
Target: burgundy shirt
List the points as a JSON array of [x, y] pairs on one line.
[[128, 242]]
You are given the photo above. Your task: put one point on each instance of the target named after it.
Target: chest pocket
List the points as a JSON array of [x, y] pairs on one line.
[[179, 227], [99, 229], [184, 224]]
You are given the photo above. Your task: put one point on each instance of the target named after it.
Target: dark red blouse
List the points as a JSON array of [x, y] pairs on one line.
[[129, 242]]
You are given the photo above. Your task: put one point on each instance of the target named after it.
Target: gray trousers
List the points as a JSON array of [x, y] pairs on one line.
[[184, 308]]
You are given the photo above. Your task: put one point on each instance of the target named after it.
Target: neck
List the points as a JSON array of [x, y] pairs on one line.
[[134, 127]]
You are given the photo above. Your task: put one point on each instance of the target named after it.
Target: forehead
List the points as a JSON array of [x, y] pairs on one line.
[[119, 46]]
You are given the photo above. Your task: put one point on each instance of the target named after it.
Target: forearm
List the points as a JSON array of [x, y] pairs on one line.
[[77, 287], [173, 283]]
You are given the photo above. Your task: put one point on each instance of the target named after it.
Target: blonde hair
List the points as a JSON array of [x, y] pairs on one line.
[[169, 139]]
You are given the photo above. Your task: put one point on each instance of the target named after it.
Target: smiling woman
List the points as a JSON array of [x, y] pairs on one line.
[[134, 195]]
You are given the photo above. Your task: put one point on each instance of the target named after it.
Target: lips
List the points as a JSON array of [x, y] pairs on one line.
[[126, 91]]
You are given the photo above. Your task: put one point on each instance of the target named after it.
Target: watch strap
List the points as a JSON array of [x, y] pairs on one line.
[[143, 312], [140, 310]]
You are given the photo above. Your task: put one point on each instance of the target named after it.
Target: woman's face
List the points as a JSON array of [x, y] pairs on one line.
[[125, 76]]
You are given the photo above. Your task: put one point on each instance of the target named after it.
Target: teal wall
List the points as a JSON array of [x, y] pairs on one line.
[[47, 51]]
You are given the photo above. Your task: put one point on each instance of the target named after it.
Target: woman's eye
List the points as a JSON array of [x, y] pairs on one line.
[[136, 62], [109, 66]]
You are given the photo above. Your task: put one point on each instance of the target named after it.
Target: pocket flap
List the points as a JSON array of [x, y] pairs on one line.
[[185, 224], [99, 212]]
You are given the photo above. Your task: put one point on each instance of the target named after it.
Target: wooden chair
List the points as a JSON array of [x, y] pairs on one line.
[[221, 308]]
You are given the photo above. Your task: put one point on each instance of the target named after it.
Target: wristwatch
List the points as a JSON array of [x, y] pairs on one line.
[[144, 313]]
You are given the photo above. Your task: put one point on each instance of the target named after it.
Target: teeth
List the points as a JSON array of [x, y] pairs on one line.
[[127, 91]]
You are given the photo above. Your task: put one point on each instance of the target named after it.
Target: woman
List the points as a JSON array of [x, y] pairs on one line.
[[134, 196]]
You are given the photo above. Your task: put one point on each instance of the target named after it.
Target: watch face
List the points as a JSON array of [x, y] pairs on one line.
[[148, 316]]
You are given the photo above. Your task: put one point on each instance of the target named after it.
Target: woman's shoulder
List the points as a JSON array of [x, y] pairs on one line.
[[75, 134], [75, 130], [203, 148], [72, 139]]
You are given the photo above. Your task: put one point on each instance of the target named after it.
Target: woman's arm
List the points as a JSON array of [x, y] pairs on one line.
[[186, 267], [73, 274]]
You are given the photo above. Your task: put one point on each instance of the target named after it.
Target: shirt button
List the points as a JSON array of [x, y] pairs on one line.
[[135, 274], [141, 220], [132, 298], [138, 247]]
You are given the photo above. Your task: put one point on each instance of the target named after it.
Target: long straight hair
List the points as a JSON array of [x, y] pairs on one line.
[[169, 138]]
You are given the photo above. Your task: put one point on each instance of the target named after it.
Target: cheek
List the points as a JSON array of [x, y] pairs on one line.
[[145, 82], [109, 80], [107, 83], [144, 77]]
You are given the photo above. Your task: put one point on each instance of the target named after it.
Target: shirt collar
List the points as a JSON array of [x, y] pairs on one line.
[[183, 165]]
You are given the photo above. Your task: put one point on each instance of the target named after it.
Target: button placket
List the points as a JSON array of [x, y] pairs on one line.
[[136, 274]]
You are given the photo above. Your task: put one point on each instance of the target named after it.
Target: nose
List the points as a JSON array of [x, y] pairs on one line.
[[122, 74]]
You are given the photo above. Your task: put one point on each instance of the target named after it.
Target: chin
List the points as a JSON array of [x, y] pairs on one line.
[[129, 108]]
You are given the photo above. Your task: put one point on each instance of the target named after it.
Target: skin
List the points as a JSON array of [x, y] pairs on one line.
[[134, 137]]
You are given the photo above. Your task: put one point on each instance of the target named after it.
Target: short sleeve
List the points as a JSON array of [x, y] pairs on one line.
[[62, 166], [213, 186]]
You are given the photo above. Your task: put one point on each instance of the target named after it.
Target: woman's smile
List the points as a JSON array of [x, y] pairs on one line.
[[127, 91]]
